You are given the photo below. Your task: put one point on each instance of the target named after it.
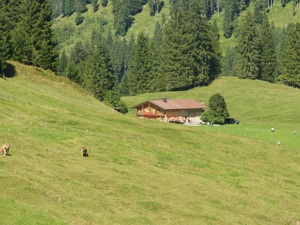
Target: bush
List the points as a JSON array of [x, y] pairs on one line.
[[217, 111], [113, 99]]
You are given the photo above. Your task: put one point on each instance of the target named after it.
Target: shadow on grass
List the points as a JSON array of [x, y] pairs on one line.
[[9, 72]]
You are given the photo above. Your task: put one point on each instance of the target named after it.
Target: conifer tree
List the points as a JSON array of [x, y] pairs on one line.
[[140, 66], [230, 13], [190, 42], [157, 83], [69, 7], [290, 73], [98, 72], [104, 3], [248, 48], [62, 64], [268, 55], [78, 53], [4, 36], [33, 41], [258, 11], [228, 62]]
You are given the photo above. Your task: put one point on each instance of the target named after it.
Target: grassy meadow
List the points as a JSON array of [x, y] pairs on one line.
[[141, 171]]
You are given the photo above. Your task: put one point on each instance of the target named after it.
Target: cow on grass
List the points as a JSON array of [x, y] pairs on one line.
[[5, 149], [84, 152]]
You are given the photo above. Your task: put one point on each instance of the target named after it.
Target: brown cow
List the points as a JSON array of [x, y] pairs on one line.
[[5, 149], [84, 152]]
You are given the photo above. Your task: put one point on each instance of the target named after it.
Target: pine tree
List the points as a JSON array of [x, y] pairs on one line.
[[4, 36], [230, 13], [228, 62], [248, 48], [78, 53], [62, 64], [268, 55], [98, 73], [44, 43], [104, 3], [95, 5], [69, 7], [258, 11], [140, 67], [33, 41], [157, 83], [290, 73], [190, 42]]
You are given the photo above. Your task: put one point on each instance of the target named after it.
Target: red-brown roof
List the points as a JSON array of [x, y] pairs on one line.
[[176, 104]]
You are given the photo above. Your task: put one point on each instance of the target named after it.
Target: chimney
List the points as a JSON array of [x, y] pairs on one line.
[[164, 99]]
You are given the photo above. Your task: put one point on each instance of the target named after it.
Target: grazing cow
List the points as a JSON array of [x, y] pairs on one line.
[[84, 152], [5, 149]]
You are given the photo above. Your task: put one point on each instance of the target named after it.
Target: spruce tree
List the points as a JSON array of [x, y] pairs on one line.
[[157, 83], [98, 72], [248, 48], [139, 73], [230, 14], [69, 7], [33, 40], [190, 42], [228, 62], [290, 73], [268, 55], [4, 36], [62, 64]]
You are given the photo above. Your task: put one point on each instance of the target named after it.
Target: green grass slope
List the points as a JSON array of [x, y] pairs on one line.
[[68, 33], [138, 171]]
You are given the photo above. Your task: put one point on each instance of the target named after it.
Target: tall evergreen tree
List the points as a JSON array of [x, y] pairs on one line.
[[268, 55], [62, 64], [69, 8], [230, 14], [4, 35], [228, 62], [33, 40], [140, 67], [248, 48], [98, 73], [258, 11], [157, 83], [290, 73], [190, 42], [78, 53]]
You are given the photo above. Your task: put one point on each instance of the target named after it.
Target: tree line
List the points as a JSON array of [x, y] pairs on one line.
[[177, 57], [26, 34], [183, 52], [264, 52]]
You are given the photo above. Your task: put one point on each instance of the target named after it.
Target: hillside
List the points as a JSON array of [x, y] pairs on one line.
[[68, 33], [140, 171]]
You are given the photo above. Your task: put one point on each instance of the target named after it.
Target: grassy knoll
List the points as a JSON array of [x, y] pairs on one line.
[[140, 171], [258, 105]]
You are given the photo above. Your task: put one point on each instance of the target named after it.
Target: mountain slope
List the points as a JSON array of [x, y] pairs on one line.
[[138, 171]]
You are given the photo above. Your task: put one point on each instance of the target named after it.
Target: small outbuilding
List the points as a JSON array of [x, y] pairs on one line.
[[177, 110]]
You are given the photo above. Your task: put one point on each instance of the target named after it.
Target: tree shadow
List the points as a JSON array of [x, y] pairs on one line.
[[9, 71]]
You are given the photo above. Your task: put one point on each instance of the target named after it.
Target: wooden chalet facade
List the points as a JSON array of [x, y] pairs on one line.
[[178, 111]]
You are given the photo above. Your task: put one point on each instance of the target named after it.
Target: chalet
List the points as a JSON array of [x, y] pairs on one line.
[[178, 111]]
